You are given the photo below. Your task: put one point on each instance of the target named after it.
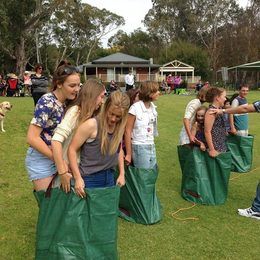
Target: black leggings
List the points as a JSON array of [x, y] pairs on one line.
[[36, 96]]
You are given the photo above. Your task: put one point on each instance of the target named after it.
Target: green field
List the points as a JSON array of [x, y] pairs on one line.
[[219, 233]]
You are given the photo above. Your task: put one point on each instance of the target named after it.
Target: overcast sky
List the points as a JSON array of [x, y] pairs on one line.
[[133, 12]]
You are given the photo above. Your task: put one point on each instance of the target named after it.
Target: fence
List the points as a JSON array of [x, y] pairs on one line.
[[120, 78]]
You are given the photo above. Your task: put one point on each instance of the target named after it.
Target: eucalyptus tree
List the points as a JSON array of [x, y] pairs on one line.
[[138, 43], [214, 17], [68, 24], [196, 21], [18, 22], [77, 28], [102, 23]]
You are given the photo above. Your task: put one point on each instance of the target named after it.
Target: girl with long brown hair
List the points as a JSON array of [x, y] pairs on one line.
[[87, 105], [48, 113], [215, 130]]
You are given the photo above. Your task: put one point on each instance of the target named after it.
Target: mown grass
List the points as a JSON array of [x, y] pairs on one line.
[[219, 233]]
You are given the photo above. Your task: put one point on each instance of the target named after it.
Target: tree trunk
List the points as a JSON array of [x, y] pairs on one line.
[[78, 57], [21, 59], [91, 49]]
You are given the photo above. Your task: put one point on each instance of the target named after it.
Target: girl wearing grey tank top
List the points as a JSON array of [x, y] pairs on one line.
[[99, 140]]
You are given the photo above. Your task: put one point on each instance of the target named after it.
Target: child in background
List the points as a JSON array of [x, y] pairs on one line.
[[197, 129], [27, 83]]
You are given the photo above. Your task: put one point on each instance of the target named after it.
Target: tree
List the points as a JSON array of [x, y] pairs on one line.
[[102, 22], [214, 16], [69, 24], [191, 54], [137, 43], [197, 21], [17, 26], [77, 28]]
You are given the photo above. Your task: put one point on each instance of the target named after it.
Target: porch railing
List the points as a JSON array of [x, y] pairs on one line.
[[120, 78]]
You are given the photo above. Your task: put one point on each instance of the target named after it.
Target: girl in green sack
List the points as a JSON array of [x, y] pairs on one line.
[[99, 141]]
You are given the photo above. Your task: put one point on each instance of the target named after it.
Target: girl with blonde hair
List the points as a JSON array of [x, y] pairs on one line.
[[87, 105], [197, 128], [99, 140]]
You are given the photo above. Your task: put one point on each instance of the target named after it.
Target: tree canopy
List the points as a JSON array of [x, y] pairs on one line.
[[207, 34]]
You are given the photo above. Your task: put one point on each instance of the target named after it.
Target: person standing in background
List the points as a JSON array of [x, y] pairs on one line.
[[129, 80], [39, 83], [27, 83], [239, 122], [177, 82], [199, 86]]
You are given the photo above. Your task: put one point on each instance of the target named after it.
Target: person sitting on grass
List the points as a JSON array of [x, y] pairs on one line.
[[165, 88]]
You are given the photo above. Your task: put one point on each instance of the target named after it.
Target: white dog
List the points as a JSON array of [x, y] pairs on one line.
[[4, 107]]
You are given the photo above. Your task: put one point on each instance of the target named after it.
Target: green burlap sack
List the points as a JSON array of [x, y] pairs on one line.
[[204, 179], [73, 228], [241, 148], [138, 200]]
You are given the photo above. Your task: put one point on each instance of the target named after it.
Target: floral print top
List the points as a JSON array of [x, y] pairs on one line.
[[48, 113], [218, 133]]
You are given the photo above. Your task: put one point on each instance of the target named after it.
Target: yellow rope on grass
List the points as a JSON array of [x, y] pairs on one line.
[[182, 209], [240, 175]]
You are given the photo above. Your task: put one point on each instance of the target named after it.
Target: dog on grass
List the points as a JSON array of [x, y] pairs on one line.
[[4, 107]]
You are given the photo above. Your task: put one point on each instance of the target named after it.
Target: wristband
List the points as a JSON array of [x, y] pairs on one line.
[[63, 173]]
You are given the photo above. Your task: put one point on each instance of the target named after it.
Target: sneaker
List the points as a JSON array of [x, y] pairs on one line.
[[249, 213]]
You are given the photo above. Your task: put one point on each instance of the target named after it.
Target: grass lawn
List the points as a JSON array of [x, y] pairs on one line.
[[219, 233]]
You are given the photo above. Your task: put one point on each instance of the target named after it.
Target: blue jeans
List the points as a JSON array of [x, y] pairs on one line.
[[256, 202], [100, 179], [144, 156]]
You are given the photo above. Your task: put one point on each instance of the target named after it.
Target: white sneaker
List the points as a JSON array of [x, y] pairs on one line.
[[249, 213]]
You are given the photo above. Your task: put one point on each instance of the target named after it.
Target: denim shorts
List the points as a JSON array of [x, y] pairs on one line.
[[38, 166], [144, 156], [100, 179]]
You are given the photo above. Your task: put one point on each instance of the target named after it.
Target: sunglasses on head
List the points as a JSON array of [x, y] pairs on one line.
[[70, 70]]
